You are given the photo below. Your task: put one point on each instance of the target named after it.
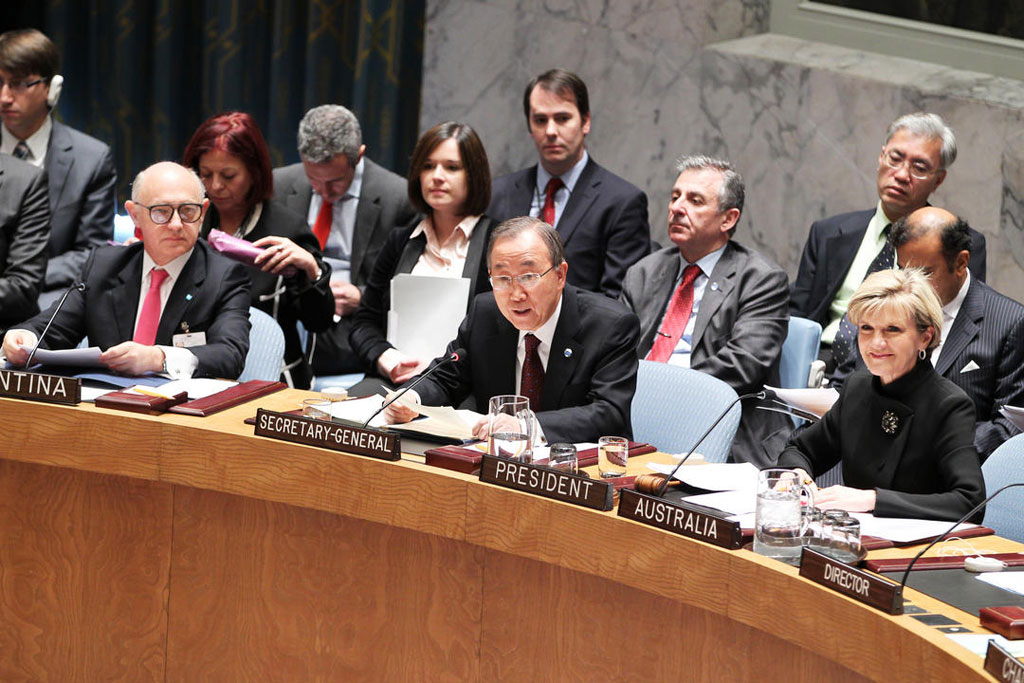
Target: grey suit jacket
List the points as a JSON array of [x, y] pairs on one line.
[[984, 355], [24, 230], [82, 185], [737, 335]]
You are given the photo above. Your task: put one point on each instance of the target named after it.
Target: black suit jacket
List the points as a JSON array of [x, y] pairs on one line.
[[603, 227], [310, 302], [927, 469], [211, 295], [828, 253], [383, 205], [399, 255], [591, 373], [984, 355], [24, 230]]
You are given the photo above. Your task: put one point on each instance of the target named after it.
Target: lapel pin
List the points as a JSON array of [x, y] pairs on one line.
[[567, 353], [714, 286], [188, 297]]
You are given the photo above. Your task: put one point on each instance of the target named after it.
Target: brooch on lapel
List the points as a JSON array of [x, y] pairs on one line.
[[567, 353], [890, 422]]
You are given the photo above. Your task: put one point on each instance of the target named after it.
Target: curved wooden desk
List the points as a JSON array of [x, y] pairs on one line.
[[181, 548]]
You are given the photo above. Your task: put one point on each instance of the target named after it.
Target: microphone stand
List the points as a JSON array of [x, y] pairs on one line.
[[80, 286], [453, 357]]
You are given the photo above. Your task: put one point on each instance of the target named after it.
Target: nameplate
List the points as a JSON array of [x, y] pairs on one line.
[[373, 443], [858, 584], [36, 387], [680, 518], [544, 481], [1003, 665]]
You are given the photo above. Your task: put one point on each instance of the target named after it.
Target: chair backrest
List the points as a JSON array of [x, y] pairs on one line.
[[266, 348], [1006, 466], [673, 406], [798, 352]]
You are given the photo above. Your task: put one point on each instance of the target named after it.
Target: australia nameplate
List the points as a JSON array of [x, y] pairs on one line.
[[547, 482], [374, 443], [679, 518], [856, 583], [37, 387], [1003, 665]]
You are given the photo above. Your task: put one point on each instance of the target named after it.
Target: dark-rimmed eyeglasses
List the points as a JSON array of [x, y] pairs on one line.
[[20, 86], [500, 283], [163, 213]]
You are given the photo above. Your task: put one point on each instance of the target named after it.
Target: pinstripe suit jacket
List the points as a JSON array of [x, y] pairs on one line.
[[988, 332]]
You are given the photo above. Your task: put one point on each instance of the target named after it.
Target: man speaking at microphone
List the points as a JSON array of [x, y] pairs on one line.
[[571, 352], [167, 304]]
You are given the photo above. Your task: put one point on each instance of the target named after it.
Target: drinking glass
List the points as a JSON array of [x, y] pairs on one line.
[[612, 455], [562, 456], [779, 525], [510, 427], [317, 408]]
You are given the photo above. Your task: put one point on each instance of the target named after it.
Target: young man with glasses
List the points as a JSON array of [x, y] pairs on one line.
[[167, 304], [570, 351], [842, 250], [79, 169]]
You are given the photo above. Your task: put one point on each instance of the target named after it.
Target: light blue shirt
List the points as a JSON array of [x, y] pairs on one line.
[[562, 195], [707, 263], [338, 251]]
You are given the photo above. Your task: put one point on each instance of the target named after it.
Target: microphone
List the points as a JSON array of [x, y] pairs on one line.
[[453, 357], [80, 286], [906, 574], [760, 395]]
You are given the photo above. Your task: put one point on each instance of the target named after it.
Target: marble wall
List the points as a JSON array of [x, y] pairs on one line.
[[802, 121]]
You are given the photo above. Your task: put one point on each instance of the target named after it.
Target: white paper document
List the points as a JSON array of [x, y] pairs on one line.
[[76, 358], [425, 313], [738, 502], [199, 387], [718, 476], [817, 401], [359, 410], [903, 530], [442, 421], [1008, 581], [978, 643], [1014, 415]]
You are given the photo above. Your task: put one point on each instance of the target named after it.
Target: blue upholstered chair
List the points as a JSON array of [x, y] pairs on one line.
[[673, 406], [798, 352], [1006, 466], [266, 348]]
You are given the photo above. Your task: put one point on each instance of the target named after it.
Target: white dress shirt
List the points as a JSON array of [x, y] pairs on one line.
[[37, 143]]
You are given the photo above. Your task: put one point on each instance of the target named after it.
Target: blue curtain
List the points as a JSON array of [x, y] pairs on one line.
[[142, 75]]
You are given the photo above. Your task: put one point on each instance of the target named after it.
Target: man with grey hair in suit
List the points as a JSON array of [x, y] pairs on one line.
[[80, 170], [713, 305], [350, 203], [982, 346]]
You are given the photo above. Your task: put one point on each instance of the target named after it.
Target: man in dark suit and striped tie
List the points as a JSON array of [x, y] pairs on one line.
[[982, 347]]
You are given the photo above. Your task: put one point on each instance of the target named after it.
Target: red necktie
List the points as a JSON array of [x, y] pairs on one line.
[[149, 318], [674, 323], [322, 227], [547, 214], [531, 383]]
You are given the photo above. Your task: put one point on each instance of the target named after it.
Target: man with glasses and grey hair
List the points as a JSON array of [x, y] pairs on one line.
[[571, 352], [710, 304], [842, 250], [350, 203], [166, 304]]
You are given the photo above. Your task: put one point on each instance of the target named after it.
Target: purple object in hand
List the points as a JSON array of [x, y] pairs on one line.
[[240, 250]]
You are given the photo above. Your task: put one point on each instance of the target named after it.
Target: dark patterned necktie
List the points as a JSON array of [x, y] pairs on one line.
[[531, 384], [21, 150], [845, 344]]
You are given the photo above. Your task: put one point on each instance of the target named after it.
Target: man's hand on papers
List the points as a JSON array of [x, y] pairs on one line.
[[17, 345], [397, 413], [131, 358]]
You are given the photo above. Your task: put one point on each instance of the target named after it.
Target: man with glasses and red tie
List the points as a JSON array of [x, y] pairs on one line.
[[842, 250], [166, 304], [572, 353], [713, 305], [79, 168]]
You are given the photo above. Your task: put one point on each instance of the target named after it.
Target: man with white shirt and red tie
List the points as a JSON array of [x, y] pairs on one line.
[[166, 304], [713, 305], [351, 204]]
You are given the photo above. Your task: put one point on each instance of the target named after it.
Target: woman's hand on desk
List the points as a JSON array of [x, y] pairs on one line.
[[845, 498]]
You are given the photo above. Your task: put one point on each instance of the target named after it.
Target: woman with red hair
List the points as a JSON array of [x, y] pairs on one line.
[[231, 157]]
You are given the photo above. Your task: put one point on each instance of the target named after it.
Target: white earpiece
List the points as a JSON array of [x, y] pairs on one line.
[[56, 83]]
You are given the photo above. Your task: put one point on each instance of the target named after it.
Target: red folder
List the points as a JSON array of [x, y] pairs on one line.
[[468, 460], [222, 400]]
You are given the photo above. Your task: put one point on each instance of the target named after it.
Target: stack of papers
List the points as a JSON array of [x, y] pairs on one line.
[[734, 484], [425, 314]]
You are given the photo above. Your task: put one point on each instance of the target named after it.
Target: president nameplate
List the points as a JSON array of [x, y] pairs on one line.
[[374, 443], [38, 387], [858, 584], [1003, 665], [547, 482], [679, 518]]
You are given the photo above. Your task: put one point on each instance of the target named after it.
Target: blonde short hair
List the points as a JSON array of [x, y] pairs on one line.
[[907, 292]]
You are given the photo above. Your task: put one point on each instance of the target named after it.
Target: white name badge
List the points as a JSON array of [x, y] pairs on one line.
[[184, 341]]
